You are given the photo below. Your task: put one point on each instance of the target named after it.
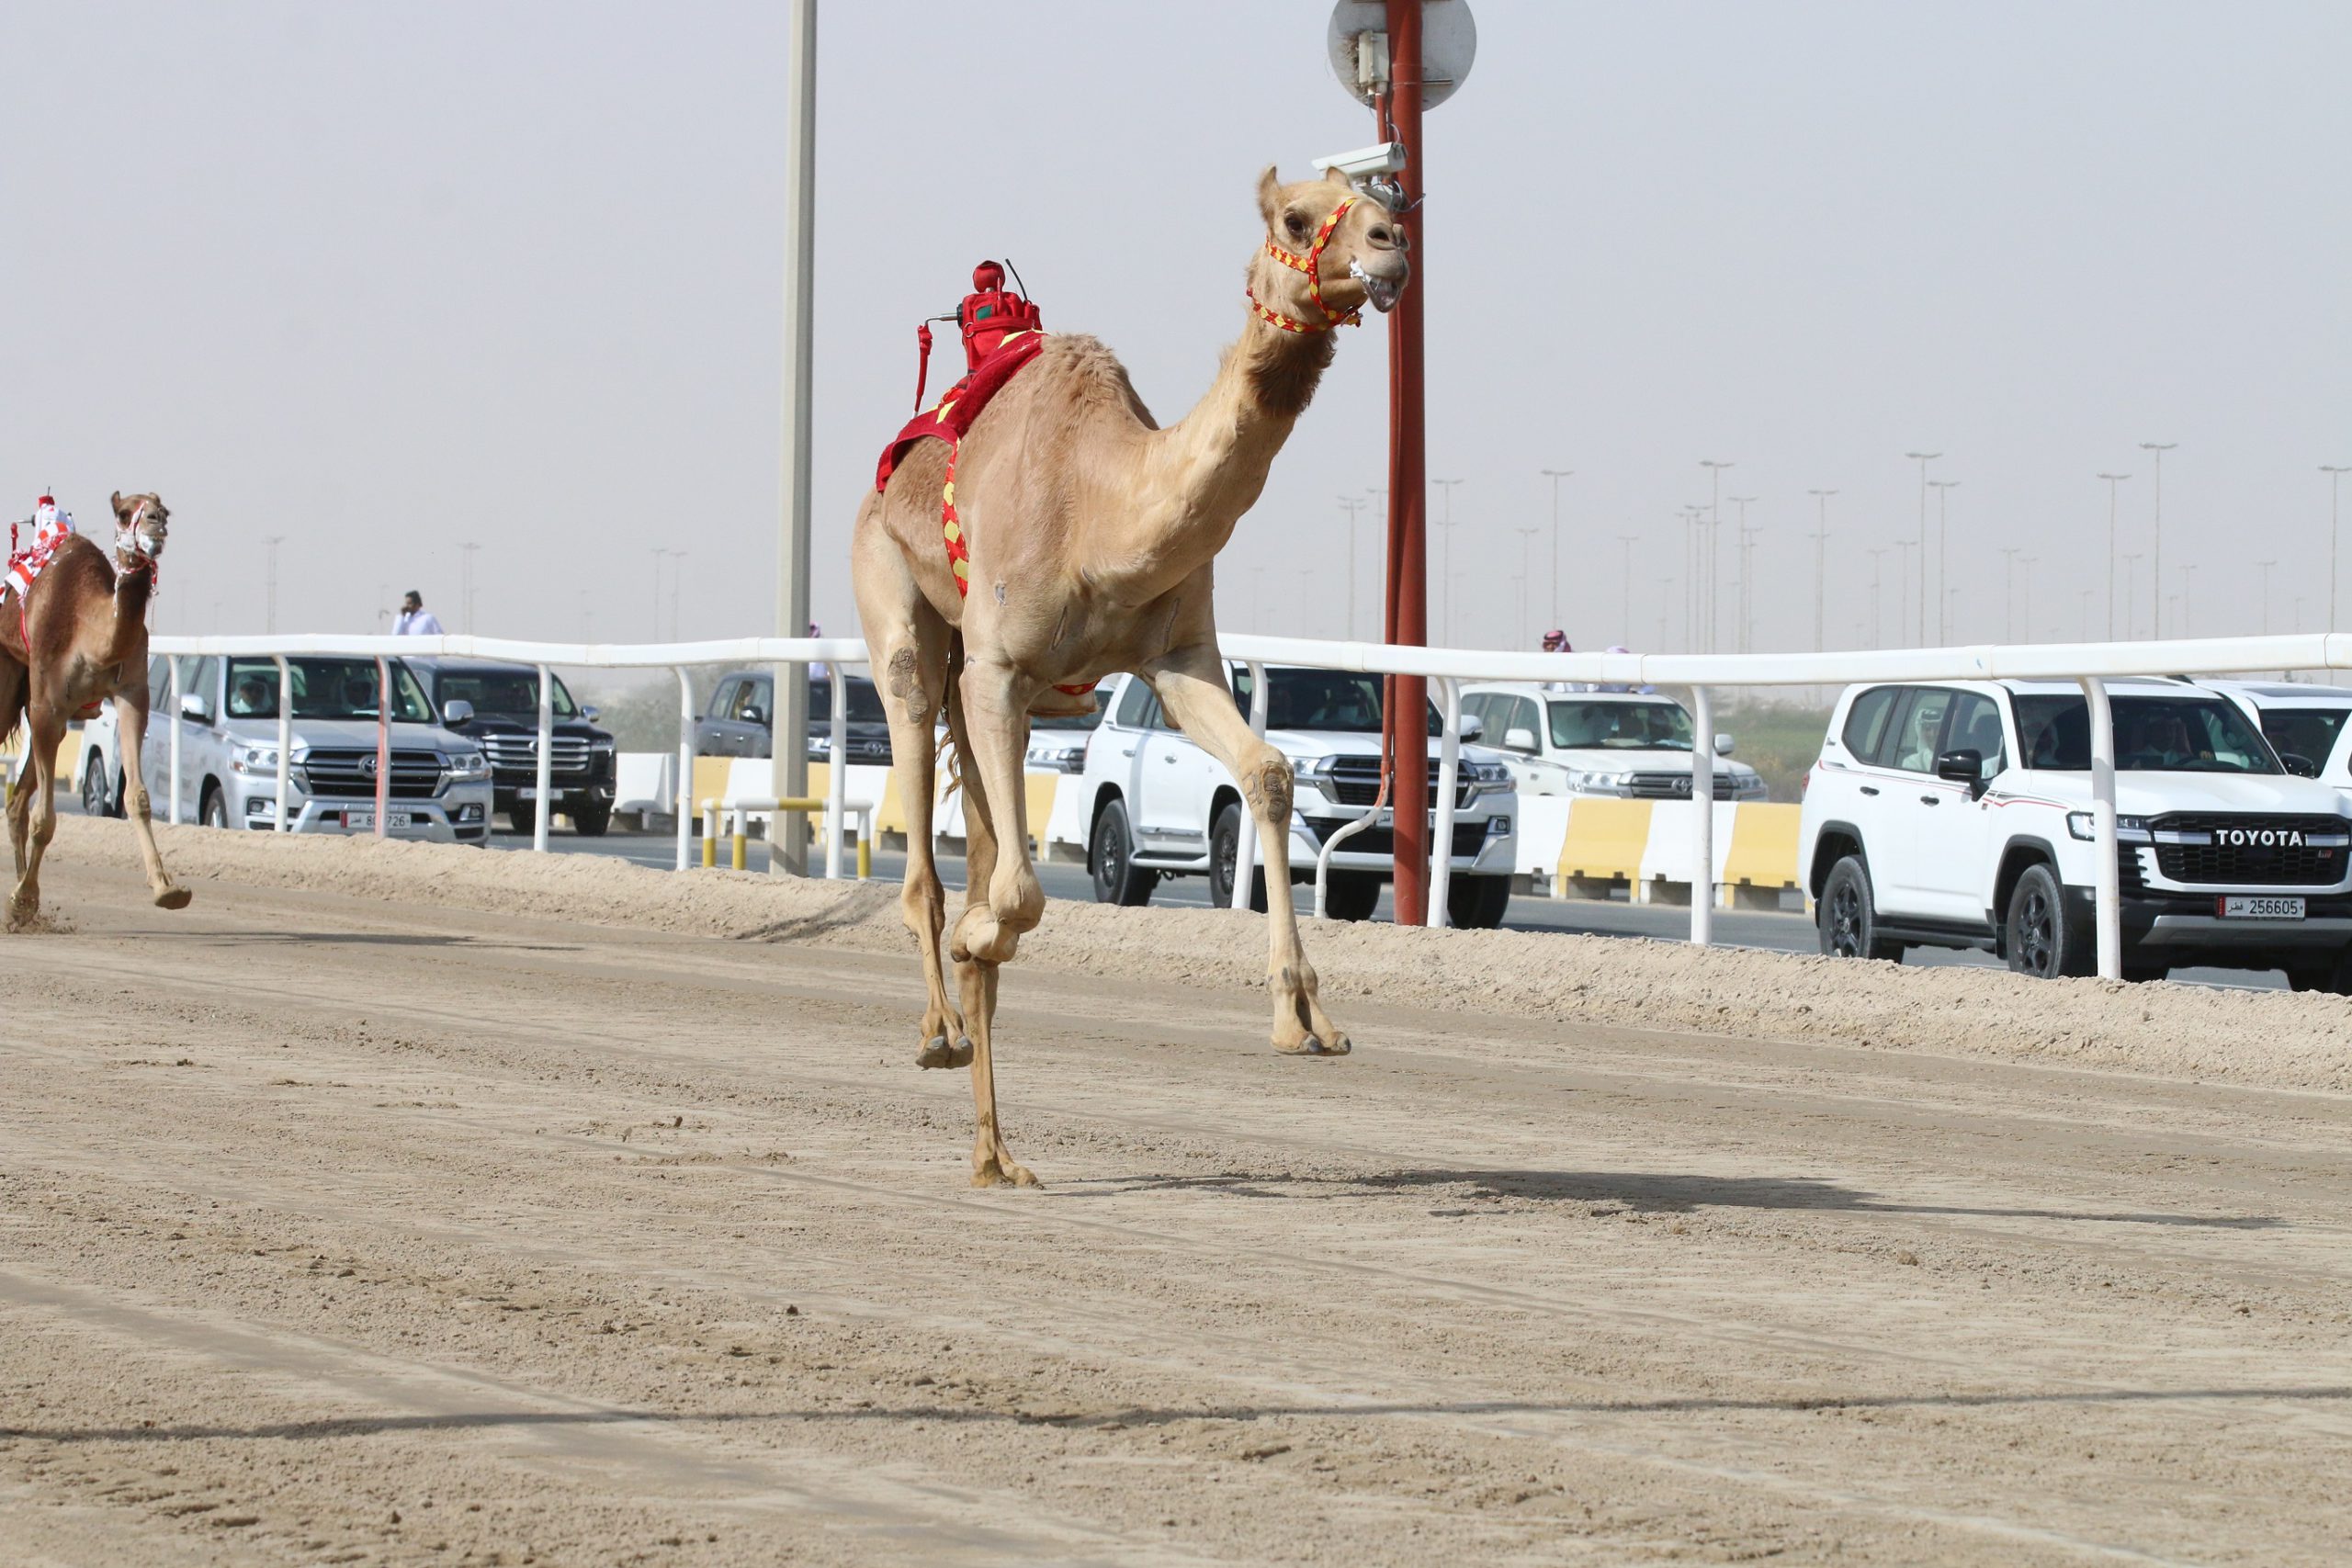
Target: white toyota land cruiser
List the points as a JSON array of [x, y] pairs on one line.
[[1159, 806], [1959, 815]]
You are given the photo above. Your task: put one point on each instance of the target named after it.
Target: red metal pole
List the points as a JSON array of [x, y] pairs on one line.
[[1408, 596]]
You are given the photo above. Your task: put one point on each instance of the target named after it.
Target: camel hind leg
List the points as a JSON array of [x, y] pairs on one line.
[[32, 809], [130, 725], [14, 685], [909, 649], [992, 1161]]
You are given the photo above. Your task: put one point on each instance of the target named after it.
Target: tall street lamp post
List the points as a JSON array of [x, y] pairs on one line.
[[1555, 476], [1943, 489], [2334, 485], [2112, 480], [2156, 541], [1351, 504], [1878, 596], [1743, 558], [1714, 534], [1445, 564], [1820, 549], [1923, 459], [1903, 551]]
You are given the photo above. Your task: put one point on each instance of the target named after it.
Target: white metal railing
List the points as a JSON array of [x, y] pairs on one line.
[[2090, 664]]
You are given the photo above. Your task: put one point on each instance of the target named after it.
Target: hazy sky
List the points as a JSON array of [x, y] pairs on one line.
[[389, 278]]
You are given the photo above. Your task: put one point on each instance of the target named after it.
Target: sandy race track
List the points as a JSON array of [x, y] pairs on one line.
[[407, 1205]]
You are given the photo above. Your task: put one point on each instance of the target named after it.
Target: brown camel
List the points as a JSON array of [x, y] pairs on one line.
[[85, 620], [1092, 535]]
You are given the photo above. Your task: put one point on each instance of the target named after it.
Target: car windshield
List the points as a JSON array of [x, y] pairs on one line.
[[1621, 727], [2308, 733], [512, 692], [1331, 699], [865, 701], [323, 688], [2158, 735]]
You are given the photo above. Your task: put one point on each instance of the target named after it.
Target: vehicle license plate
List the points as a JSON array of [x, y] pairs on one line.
[[528, 792], [367, 819], [2240, 907], [1387, 818]]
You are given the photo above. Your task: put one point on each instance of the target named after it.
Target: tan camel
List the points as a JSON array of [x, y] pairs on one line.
[[85, 621], [1092, 535]]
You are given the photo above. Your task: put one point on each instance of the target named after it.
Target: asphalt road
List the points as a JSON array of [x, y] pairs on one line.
[[1787, 931]]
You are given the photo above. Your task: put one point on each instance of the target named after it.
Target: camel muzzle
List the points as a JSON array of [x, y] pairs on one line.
[[1380, 293]]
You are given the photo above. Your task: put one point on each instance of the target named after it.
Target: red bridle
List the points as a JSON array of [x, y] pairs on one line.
[[1310, 264]]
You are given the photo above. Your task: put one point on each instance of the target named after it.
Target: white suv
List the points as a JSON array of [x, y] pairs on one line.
[[1159, 806], [1959, 815], [1629, 744], [2304, 724]]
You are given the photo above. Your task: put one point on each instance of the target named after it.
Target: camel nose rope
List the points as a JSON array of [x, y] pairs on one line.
[[1310, 264]]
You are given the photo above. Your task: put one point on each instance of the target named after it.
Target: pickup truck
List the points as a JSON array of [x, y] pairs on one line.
[[1160, 807]]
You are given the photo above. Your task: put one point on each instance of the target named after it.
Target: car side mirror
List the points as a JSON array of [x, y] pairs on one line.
[[1722, 745], [1966, 766], [1519, 738], [192, 706], [2301, 766], [591, 713], [754, 716], [1472, 726], [457, 713]]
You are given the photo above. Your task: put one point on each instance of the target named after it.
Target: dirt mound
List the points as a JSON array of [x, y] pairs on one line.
[[2265, 1039]]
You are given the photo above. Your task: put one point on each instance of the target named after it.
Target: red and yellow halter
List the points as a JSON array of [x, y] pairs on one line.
[[1310, 264]]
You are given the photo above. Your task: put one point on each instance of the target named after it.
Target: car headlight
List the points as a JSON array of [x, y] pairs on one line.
[[254, 759], [1486, 778], [1057, 756], [1750, 788], [2128, 829], [468, 767], [1582, 781]]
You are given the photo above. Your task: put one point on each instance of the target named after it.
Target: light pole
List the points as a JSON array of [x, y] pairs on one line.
[[1820, 549], [1878, 597], [2112, 480], [2266, 566], [2130, 590], [269, 614], [1714, 537], [1691, 515], [1625, 605], [1445, 563], [1923, 459], [2010, 593], [467, 578], [1943, 489], [1351, 504], [1525, 535], [1555, 476], [2156, 541], [2335, 487], [1743, 605], [795, 445]]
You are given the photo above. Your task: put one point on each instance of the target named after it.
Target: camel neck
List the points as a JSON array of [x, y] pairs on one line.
[[1211, 465]]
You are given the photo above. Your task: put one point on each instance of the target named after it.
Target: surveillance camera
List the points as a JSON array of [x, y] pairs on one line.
[[1386, 158]]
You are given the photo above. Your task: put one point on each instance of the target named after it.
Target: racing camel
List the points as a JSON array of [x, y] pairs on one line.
[[1067, 536], [77, 639]]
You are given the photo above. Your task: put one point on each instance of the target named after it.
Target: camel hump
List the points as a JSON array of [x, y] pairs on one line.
[[1084, 366]]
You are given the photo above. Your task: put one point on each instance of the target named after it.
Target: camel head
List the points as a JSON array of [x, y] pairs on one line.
[[139, 527], [1360, 261]]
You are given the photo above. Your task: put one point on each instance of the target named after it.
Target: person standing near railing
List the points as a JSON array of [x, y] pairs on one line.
[[415, 620]]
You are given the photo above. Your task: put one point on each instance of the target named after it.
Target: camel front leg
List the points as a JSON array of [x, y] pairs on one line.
[[914, 674], [130, 725], [1191, 683], [992, 1161], [32, 817], [995, 700]]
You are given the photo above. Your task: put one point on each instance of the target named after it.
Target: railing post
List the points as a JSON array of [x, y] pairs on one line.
[[837, 772], [1703, 796], [1448, 770], [2109, 882], [175, 662], [540, 803], [1245, 853], [285, 737], [685, 764]]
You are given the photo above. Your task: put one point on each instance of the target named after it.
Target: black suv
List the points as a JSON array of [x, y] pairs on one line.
[[741, 719], [505, 721]]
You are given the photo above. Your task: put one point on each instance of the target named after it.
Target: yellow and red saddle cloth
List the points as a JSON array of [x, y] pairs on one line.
[[947, 420]]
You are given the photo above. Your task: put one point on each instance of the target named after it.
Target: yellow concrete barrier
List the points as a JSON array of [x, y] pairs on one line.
[[1762, 859], [1604, 846]]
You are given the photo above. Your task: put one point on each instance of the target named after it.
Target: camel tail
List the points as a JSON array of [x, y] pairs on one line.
[[952, 748]]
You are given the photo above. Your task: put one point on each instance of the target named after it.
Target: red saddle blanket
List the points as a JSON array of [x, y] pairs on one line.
[[950, 417]]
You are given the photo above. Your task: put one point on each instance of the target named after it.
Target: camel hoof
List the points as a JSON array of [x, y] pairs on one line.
[[937, 1053], [1314, 1045], [995, 1174], [174, 899]]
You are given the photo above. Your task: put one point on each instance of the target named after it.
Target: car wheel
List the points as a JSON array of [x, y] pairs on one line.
[[521, 816], [214, 813], [2042, 941], [591, 817], [1117, 879], [1225, 855], [1351, 895], [94, 789], [1476, 903], [1847, 913]]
